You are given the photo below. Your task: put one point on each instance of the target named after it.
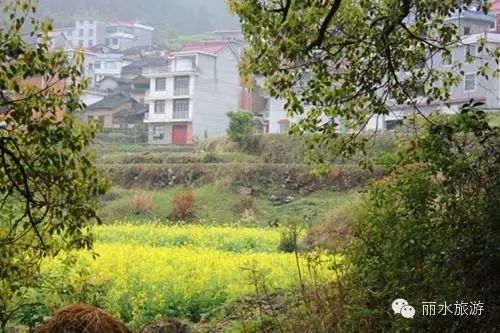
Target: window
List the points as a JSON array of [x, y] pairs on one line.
[[97, 64], [181, 108], [470, 82], [466, 30], [161, 84], [111, 30], [91, 32], [110, 65], [80, 43], [91, 67], [70, 33], [284, 128], [447, 59], [181, 85], [115, 41], [393, 124], [82, 21], [101, 120], [159, 107], [91, 43], [470, 53], [80, 32], [158, 132]]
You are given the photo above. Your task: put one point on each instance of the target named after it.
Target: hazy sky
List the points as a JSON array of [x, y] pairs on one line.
[[181, 16]]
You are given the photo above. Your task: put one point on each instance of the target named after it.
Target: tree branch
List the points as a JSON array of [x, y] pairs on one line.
[[324, 26]]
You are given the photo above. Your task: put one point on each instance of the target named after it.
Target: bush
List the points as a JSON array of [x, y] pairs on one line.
[[288, 239], [141, 203], [241, 126], [279, 148], [182, 204], [430, 232]]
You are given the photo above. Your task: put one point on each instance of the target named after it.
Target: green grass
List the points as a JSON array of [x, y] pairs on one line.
[[216, 205]]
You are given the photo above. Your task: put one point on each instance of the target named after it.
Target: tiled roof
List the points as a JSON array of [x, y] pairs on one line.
[[146, 62], [110, 102], [207, 47], [473, 14]]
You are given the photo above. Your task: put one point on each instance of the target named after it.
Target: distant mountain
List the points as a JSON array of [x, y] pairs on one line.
[[174, 16]]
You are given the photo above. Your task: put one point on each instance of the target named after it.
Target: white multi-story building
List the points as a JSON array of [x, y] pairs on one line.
[[89, 32], [108, 64], [85, 33], [121, 36], [190, 97]]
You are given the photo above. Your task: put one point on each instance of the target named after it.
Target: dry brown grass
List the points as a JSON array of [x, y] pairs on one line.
[[141, 203], [333, 233], [182, 204], [79, 318]]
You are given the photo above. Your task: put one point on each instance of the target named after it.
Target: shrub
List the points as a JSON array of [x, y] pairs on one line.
[[279, 148], [182, 204], [141, 203], [332, 233], [211, 157], [288, 239], [241, 126], [430, 232]]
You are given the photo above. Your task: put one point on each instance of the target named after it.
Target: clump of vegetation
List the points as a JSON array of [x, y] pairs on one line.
[[49, 186], [141, 203], [241, 130], [289, 237], [429, 231], [182, 204]]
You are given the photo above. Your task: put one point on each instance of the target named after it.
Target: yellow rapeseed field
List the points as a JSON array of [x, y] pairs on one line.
[[151, 271]]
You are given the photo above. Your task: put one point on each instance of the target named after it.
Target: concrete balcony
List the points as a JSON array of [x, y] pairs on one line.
[[170, 70], [166, 94], [177, 116]]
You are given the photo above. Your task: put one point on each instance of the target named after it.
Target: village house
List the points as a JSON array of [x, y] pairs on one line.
[[87, 32], [190, 97], [116, 111]]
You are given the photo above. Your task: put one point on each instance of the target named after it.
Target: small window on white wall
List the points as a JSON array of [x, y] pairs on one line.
[[161, 84], [284, 128], [159, 107], [470, 82], [159, 132]]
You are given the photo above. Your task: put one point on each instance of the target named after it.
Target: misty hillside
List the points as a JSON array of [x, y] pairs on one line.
[[174, 16]]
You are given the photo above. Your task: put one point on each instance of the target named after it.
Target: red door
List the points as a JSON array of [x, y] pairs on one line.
[[179, 134]]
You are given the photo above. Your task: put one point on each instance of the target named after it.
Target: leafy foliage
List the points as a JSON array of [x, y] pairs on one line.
[[430, 231], [48, 184], [241, 129], [344, 59]]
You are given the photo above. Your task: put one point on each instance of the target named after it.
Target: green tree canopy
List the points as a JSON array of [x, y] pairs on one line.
[[48, 183], [346, 58], [241, 126]]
